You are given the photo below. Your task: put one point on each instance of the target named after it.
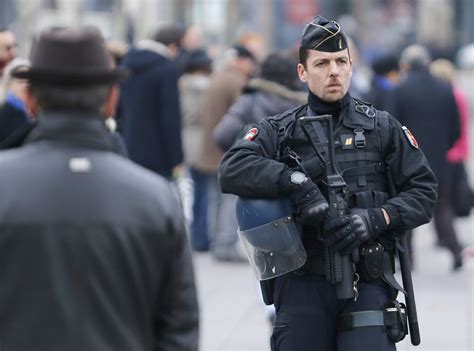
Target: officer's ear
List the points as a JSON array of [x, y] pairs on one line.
[[302, 73]]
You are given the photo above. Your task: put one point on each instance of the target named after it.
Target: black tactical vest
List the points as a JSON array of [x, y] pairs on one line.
[[361, 142]]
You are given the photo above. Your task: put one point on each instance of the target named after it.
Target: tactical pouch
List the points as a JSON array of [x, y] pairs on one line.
[[371, 261], [395, 320]]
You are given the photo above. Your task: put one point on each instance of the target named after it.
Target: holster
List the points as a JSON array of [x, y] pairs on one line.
[[267, 287], [377, 256]]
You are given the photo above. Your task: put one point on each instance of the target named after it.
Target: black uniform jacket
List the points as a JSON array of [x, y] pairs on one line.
[[251, 168], [93, 250]]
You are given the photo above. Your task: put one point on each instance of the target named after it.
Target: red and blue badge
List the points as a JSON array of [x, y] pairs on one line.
[[410, 137], [251, 134]]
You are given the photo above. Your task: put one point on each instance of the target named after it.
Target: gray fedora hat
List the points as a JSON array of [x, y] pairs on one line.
[[66, 56]]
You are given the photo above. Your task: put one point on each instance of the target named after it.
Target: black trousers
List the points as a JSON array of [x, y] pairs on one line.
[[307, 312], [444, 221]]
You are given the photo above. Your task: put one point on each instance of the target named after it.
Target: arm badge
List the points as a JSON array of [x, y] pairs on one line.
[[410, 137], [251, 134]]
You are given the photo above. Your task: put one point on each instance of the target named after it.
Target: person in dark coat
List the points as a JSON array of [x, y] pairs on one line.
[[275, 91], [149, 116], [386, 76], [385, 186], [14, 115], [427, 106], [93, 248]]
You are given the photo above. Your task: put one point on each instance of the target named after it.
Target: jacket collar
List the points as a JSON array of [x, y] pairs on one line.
[[83, 129], [156, 47], [267, 86]]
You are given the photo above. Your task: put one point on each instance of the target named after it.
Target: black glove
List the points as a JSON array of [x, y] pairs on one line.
[[347, 233], [312, 204]]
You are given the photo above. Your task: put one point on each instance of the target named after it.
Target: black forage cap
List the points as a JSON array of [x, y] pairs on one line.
[[323, 35]]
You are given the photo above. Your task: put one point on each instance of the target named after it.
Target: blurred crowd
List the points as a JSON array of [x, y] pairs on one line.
[[183, 105]]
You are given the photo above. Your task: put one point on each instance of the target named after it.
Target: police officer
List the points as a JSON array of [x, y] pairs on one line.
[[390, 188]]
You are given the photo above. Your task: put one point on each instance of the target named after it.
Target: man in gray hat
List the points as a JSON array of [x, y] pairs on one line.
[[377, 182], [93, 248]]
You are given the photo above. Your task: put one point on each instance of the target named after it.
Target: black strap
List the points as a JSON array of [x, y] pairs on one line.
[[372, 168], [387, 276], [351, 155], [372, 318]]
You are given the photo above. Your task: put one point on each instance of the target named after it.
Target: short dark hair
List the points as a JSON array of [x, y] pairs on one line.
[[303, 56], [385, 63], [280, 69], [82, 98], [170, 34]]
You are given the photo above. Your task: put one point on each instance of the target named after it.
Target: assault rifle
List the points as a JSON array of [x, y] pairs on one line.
[[339, 268]]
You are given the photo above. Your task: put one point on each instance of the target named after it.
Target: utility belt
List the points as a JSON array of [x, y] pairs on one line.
[[376, 262]]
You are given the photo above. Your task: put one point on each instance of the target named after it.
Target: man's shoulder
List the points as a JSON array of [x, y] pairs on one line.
[[367, 109], [288, 115], [136, 175]]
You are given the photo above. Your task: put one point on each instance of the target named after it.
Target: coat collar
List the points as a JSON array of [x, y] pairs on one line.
[[156, 47], [83, 129]]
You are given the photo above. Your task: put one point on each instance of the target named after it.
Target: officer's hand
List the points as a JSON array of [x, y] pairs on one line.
[[347, 233], [313, 205], [305, 194]]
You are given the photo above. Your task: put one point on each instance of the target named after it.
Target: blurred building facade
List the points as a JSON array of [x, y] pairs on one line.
[[375, 25]]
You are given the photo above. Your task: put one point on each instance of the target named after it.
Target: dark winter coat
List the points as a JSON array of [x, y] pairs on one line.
[[253, 167], [93, 249], [426, 105], [261, 98], [149, 116], [12, 120]]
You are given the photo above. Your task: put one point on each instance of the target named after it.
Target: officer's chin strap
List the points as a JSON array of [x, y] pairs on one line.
[[392, 318]]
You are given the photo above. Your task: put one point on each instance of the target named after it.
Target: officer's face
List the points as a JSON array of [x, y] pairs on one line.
[[327, 74]]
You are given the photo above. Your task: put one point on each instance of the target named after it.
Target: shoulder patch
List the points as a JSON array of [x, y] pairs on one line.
[[410, 137], [251, 134]]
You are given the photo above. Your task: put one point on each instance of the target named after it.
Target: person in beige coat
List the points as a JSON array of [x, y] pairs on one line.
[[224, 87]]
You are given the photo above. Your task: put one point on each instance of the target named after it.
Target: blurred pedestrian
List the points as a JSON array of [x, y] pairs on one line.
[[284, 185], [386, 76], [117, 50], [426, 105], [224, 87], [274, 91], [7, 48], [445, 70], [461, 194], [93, 249], [255, 43], [194, 81], [149, 116], [14, 114]]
